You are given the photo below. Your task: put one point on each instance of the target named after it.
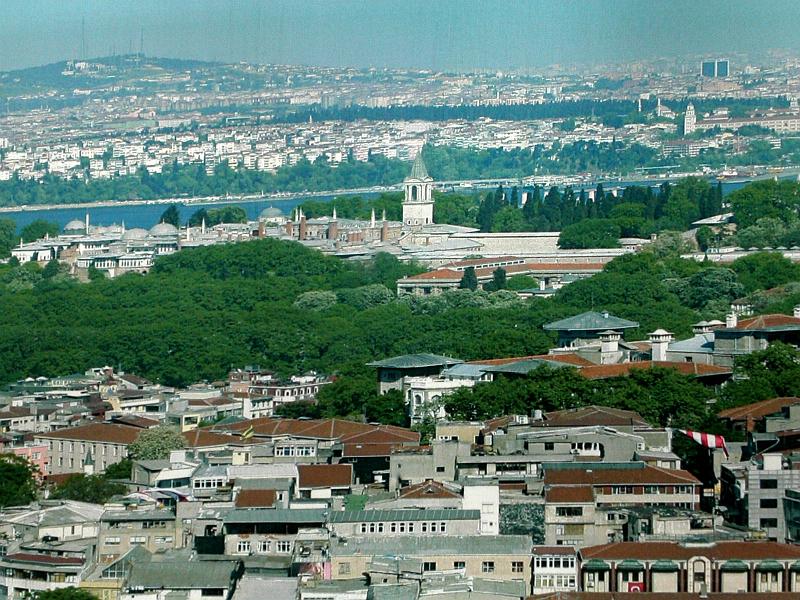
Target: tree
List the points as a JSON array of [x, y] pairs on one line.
[[767, 198], [171, 215], [8, 236], [197, 218], [498, 280], [119, 470], [590, 233], [765, 270], [156, 443], [469, 281], [38, 229], [19, 481], [712, 285], [68, 593], [522, 282], [705, 237], [315, 300], [509, 219], [88, 488]]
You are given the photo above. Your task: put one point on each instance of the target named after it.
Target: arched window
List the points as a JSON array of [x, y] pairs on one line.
[[413, 192]]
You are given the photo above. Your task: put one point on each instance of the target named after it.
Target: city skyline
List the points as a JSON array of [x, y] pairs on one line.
[[447, 35]]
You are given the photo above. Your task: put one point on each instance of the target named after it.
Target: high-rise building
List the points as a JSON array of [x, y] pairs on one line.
[[719, 67]]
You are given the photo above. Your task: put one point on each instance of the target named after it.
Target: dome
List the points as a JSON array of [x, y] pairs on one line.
[[163, 229], [270, 213], [75, 225], [136, 233]]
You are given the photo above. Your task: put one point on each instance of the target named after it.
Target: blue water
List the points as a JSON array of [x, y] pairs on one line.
[[147, 215]]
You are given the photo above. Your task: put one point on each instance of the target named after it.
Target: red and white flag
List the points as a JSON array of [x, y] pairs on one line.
[[709, 440]]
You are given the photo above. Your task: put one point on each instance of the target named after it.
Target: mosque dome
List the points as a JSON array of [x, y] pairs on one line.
[[75, 225], [135, 234], [271, 213], [163, 229]]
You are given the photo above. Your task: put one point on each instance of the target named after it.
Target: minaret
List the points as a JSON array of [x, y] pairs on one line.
[[87, 223], [203, 226], [384, 227], [333, 228], [372, 218], [418, 201]]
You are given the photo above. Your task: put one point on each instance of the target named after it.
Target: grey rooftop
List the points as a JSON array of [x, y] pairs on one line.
[[590, 321]]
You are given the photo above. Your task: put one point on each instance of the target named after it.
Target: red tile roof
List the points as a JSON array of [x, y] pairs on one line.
[[44, 559], [765, 321], [570, 359], [368, 450], [554, 550], [758, 410], [589, 416], [727, 550], [96, 432], [428, 489], [327, 429], [256, 499], [202, 438], [648, 474], [325, 476], [685, 368], [562, 494]]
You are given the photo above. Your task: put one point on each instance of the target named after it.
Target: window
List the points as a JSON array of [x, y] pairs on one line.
[[284, 547], [459, 564], [569, 511], [433, 527], [549, 446], [363, 528], [443, 526], [440, 469], [487, 566], [264, 546], [429, 566], [768, 484], [392, 527], [243, 547], [622, 489], [410, 528], [164, 539], [517, 566], [344, 568], [424, 527], [768, 503], [112, 541], [765, 523]]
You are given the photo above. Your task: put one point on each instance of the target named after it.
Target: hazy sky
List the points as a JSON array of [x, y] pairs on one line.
[[439, 34]]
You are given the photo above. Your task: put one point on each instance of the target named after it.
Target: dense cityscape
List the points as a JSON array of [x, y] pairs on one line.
[[315, 332]]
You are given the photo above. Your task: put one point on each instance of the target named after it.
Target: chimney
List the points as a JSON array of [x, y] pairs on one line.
[[262, 230], [289, 228], [659, 341], [796, 312], [731, 320], [384, 227], [701, 327], [609, 346]]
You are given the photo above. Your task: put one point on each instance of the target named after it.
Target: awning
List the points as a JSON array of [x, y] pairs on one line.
[[795, 567], [769, 566], [630, 565], [734, 566], [664, 566], [596, 565]]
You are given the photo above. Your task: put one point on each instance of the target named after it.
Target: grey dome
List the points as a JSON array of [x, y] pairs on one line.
[[136, 233], [163, 229], [270, 213], [75, 225]]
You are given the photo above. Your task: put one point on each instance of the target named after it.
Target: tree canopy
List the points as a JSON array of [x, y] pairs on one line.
[[156, 443]]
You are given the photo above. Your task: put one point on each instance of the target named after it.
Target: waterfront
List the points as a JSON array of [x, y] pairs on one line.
[[145, 214]]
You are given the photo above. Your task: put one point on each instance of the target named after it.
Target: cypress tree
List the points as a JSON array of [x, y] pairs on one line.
[[469, 281]]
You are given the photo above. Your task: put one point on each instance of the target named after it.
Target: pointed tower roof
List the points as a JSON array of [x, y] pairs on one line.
[[418, 171]]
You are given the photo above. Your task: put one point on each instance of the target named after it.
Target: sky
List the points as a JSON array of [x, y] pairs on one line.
[[432, 34]]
